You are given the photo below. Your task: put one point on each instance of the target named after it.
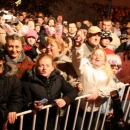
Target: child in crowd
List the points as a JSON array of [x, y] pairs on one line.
[[115, 63], [30, 47], [106, 38]]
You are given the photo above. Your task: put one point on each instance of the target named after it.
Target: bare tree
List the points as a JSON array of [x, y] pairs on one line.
[[73, 10]]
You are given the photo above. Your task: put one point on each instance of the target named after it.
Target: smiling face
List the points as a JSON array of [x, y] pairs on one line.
[[14, 48], [45, 66], [53, 47], [98, 58]]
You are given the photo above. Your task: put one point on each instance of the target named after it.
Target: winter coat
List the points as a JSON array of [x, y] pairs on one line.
[[38, 87], [115, 43], [30, 51], [123, 47], [88, 49], [10, 94], [24, 63], [92, 79], [64, 64]]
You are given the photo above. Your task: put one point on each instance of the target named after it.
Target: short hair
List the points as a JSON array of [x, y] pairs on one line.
[[14, 37], [40, 17], [107, 20], [72, 23], [2, 55], [31, 20]]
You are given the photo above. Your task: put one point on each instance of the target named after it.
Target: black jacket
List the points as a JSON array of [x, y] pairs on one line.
[[123, 47], [39, 87], [10, 94]]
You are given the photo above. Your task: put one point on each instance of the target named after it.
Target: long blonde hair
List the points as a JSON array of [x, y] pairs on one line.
[[107, 68]]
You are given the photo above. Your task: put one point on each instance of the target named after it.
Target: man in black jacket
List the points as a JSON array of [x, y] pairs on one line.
[[10, 93]]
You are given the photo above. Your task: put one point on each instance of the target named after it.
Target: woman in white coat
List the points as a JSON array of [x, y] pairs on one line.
[[95, 75]]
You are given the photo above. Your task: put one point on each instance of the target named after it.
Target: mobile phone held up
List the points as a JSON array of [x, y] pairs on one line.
[[43, 102]]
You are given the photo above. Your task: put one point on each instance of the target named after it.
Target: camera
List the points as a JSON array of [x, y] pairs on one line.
[[43, 102]]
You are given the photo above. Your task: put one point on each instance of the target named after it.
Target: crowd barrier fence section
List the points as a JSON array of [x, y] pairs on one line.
[[125, 108]]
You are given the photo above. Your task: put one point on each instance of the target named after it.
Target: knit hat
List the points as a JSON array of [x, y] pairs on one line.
[[84, 26], [94, 29], [114, 59], [106, 34], [123, 36], [32, 33]]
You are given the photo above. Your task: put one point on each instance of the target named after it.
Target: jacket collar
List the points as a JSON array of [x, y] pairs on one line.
[[21, 58]]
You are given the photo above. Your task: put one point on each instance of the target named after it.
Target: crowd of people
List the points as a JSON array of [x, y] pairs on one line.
[[46, 57]]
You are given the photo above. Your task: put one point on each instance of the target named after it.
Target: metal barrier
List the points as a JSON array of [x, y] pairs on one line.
[[125, 107]]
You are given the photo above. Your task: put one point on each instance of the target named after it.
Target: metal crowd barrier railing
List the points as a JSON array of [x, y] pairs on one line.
[[126, 110]]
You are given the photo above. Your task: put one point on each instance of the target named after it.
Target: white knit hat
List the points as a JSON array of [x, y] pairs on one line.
[[114, 59]]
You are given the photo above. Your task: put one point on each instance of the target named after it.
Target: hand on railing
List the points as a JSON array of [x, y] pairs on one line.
[[60, 102], [36, 106], [12, 116], [93, 95]]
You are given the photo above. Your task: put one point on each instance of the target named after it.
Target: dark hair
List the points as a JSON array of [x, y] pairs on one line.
[[1, 55]]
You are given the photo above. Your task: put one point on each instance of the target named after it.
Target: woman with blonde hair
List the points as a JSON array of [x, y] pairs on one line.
[[64, 64], [95, 75]]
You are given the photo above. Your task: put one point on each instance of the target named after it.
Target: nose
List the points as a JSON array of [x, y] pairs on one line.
[[48, 46], [97, 36], [14, 49], [97, 56]]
